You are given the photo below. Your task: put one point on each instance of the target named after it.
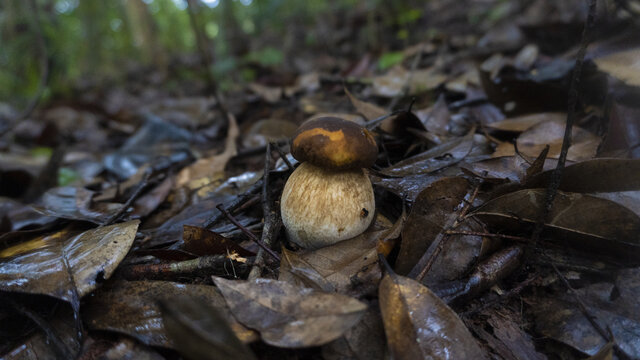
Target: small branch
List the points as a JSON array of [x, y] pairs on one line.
[[247, 232], [511, 293], [136, 193], [272, 221], [204, 266], [479, 233], [238, 202], [282, 154], [556, 176]]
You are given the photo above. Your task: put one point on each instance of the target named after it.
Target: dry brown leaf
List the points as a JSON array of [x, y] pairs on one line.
[[209, 167], [368, 110], [624, 65], [419, 325], [290, 316]]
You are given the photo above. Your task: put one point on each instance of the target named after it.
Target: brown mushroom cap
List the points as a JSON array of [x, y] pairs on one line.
[[334, 143]]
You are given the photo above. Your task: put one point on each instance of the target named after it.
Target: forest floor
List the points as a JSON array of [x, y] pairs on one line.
[[142, 220]]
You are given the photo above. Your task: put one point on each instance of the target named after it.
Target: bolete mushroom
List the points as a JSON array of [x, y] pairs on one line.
[[329, 197]]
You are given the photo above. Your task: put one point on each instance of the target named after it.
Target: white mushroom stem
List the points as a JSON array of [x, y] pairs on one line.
[[321, 207]]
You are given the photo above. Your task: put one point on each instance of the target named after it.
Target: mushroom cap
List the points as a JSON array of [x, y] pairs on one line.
[[334, 143], [321, 207]]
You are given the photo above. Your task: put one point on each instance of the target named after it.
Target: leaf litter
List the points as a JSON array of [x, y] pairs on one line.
[[461, 120]]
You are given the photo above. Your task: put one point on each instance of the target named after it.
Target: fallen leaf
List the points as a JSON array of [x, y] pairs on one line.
[[583, 143], [290, 316], [364, 341], [623, 65], [582, 221], [208, 167], [595, 175], [92, 256], [337, 268], [131, 308], [430, 211], [524, 122], [200, 241], [419, 325], [368, 110], [199, 331], [435, 158]]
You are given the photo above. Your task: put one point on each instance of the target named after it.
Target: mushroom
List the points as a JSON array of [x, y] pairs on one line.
[[329, 197]]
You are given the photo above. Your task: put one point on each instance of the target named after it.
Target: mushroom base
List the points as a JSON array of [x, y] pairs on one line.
[[321, 207]]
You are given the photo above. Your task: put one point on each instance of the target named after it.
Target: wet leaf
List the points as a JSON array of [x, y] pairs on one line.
[[201, 241], [596, 175], [419, 325], [131, 307], [435, 158], [92, 256], [76, 203], [431, 210], [583, 221], [364, 341], [199, 331], [342, 267], [290, 316]]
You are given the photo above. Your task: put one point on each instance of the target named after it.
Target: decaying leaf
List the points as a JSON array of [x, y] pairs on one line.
[[199, 331], [596, 175], [208, 167], [347, 267], [368, 110], [419, 325], [364, 341], [131, 307], [290, 316], [435, 158], [200, 241], [431, 209], [92, 256], [583, 221]]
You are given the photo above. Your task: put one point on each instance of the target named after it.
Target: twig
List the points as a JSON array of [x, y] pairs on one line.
[[272, 220], [136, 193], [479, 233], [248, 232], [556, 176], [241, 199], [283, 156], [590, 317], [204, 265]]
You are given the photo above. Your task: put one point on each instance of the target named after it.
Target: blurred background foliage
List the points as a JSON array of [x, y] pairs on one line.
[[64, 43]]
